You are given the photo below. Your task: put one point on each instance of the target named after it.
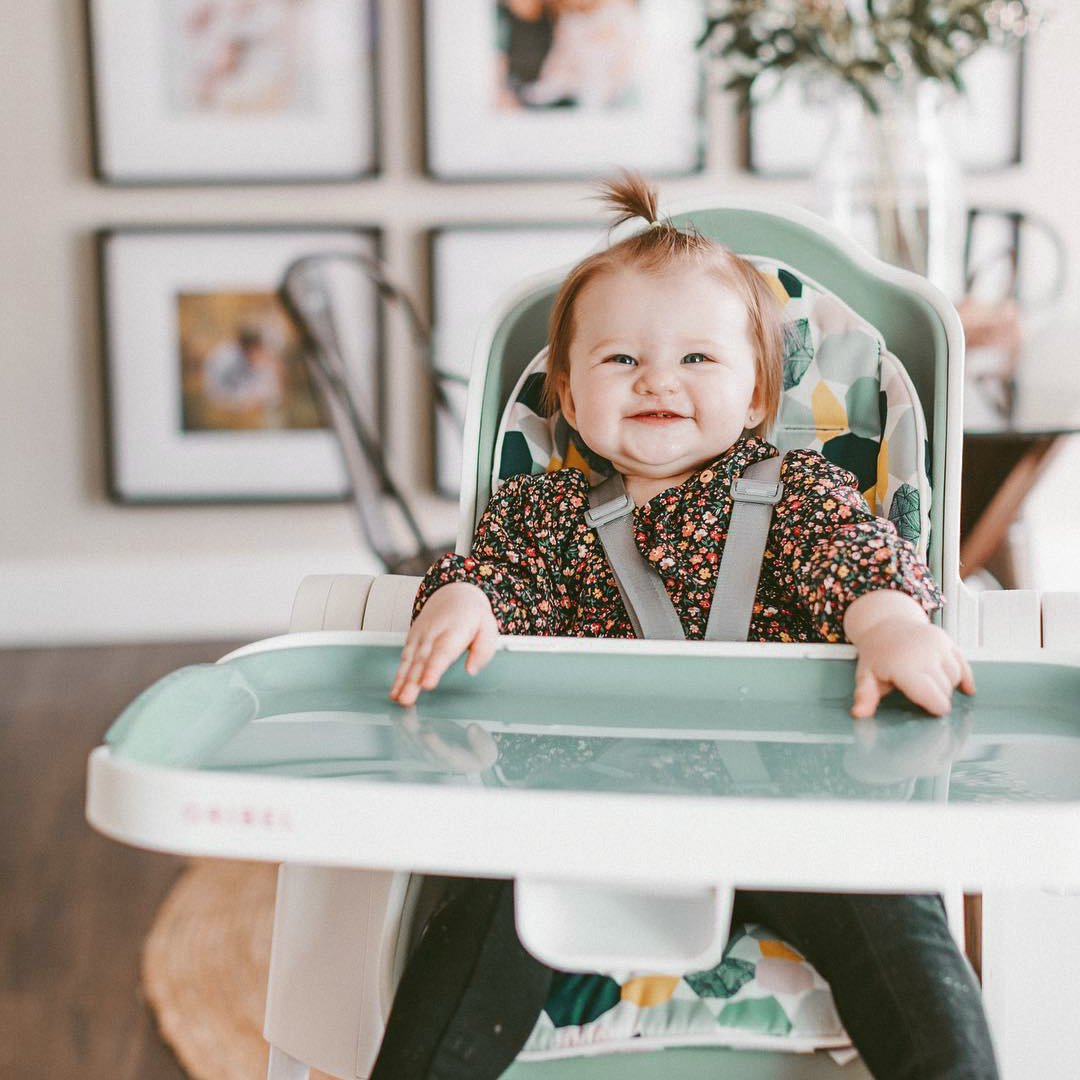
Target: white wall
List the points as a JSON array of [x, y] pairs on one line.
[[75, 567]]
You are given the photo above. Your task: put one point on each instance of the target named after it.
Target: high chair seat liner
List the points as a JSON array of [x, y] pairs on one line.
[[845, 395], [763, 995]]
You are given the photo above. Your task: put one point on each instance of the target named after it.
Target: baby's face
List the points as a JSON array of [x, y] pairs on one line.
[[662, 374]]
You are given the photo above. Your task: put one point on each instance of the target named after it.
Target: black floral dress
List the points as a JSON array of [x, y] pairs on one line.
[[545, 572]]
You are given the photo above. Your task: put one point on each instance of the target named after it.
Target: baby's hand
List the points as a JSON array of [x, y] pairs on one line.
[[900, 648], [456, 618]]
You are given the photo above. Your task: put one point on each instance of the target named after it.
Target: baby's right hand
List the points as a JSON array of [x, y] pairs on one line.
[[456, 618]]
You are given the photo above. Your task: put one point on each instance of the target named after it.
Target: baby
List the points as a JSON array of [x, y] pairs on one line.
[[665, 355]]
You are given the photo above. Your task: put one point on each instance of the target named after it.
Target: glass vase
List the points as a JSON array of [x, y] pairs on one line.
[[888, 179]]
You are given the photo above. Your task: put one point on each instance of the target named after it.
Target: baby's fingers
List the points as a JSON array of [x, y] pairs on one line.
[[482, 647], [423, 660], [967, 678], [868, 691], [932, 690], [429, 662]]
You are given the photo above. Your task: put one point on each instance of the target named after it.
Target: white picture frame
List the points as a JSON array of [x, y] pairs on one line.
[[473, 268], [634, 103], [195, 413], [787, 133], [216, 91]]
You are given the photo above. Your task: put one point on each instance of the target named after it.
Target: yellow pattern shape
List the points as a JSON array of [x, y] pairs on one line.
[[830, 416], [649, 990], [779, 950], [574, 460], [777, 286]]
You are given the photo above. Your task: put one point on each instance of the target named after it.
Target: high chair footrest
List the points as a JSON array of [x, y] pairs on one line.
[[576, 926]]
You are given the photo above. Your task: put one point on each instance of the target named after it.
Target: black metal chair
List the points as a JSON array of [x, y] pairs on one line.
[[313, 289]]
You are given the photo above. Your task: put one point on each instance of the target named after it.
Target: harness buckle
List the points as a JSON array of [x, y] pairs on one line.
[[745, 489], [611, 510]]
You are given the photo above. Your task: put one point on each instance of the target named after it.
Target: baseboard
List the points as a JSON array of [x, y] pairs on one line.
[[205, 597]]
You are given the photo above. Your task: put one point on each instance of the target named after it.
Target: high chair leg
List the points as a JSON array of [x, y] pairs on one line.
[[284, 1067]]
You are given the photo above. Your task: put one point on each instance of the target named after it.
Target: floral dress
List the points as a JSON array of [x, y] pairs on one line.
[[545, 572]]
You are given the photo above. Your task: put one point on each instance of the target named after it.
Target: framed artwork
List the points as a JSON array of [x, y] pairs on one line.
[[787, 132], [207, 390], [555, 88], [472, 269], [1013, 254], [229, 91]]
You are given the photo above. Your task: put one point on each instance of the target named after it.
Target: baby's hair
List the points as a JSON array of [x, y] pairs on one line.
[[657, 247]]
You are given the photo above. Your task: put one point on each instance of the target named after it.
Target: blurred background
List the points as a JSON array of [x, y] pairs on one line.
[[165, 475], [167, 472]]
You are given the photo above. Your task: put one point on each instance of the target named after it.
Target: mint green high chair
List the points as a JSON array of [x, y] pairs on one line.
[[890, 344], [220, 761]]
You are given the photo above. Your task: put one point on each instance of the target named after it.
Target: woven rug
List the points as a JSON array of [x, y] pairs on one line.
[[205, 965]]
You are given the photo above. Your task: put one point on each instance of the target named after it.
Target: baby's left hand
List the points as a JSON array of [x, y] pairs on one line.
[[900, 648]]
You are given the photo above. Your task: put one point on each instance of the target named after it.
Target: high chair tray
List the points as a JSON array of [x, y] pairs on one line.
[[660, 763]]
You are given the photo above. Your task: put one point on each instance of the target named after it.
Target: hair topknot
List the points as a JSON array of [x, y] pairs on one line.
[[629, 196]]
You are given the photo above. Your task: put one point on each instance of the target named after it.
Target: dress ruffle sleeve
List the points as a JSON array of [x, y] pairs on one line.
[[524, 554], [836, 550]]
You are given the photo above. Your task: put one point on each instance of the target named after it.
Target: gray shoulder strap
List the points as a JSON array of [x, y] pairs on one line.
[[646, 600], [755, 494]]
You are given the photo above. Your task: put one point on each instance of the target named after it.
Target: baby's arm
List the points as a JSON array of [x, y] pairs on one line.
[[899, 647], [457, 618]]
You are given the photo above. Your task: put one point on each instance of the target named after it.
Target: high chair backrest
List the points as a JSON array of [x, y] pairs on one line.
[[916, 322]]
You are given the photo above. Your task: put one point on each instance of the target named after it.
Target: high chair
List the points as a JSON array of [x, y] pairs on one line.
[[874, 342]]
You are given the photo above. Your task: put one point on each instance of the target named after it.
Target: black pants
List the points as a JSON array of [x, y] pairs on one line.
[[471, 994]]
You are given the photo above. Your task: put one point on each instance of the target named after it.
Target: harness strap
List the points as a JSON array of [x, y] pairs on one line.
[[651, 611], [756, 492], [643, 594]]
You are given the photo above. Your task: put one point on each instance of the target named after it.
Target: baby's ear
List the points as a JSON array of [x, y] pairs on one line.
[[755, 412], [566, 404]]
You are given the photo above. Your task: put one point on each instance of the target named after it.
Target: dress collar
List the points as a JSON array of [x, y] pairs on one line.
[[715, 477], [670, 527]]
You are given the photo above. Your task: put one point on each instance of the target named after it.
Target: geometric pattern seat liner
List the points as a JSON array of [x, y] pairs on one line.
[[846, 396]]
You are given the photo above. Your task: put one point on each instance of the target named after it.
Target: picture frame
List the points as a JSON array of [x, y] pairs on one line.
[[983, 125], [207, 394], [472, 267], [515, 92], [219, 91]]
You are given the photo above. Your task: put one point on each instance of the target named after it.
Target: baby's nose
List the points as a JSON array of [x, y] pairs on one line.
[[656, 380]]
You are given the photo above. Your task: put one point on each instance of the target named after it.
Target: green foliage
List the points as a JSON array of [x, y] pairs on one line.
[[861, 42]]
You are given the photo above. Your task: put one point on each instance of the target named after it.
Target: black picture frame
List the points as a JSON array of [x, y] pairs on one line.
[[171, 104], [207, 396], [483, 121]]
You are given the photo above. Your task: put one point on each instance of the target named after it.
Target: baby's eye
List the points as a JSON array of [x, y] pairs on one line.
[[695, 358], [621, 358]]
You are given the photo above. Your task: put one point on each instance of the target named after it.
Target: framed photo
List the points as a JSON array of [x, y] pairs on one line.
[[982, 126], [232, 91], [208, 393], [472, 268], [557, 88]]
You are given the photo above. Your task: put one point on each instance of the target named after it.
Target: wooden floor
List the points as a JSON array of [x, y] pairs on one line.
[[74, 907]]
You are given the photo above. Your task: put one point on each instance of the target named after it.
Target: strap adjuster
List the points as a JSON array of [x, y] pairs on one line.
[[745, 489], [611, 510]]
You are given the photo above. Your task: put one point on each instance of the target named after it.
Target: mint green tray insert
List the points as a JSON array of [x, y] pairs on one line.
[[618, 722]]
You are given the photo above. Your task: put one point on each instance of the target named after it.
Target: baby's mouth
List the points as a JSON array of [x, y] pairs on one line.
[[657, 415]]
